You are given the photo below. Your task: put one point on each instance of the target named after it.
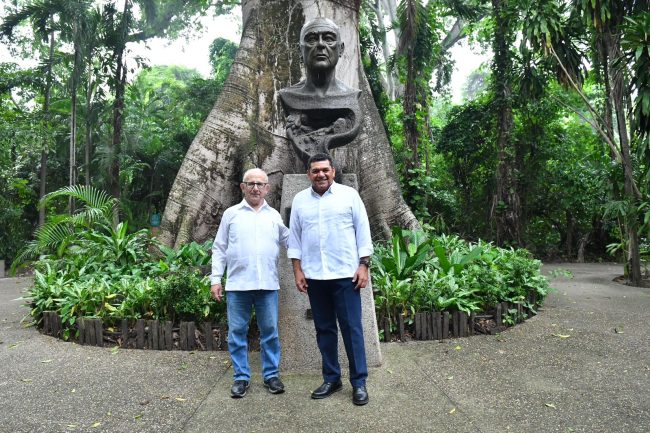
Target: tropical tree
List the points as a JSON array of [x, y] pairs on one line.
[[550, 30], [41, 16], [246, 127]]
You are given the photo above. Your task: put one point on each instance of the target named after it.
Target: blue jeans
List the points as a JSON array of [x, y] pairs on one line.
[[239, 314], [333, 300]]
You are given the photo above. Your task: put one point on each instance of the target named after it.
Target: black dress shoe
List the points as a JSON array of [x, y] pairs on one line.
[[326, 389], [274, 385], [359, 395], [238, 389]]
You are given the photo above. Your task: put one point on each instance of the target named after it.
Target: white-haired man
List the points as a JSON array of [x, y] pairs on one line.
[[247, 246]]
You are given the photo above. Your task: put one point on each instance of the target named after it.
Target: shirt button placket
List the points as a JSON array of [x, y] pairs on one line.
[[257, 249], [322, 229]]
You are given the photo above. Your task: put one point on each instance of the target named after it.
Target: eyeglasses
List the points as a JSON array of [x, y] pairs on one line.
[[251, 185]]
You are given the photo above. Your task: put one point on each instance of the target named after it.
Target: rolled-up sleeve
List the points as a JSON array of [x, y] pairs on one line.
[[295, 233], [219, 248], [362, 228], [284, 234]]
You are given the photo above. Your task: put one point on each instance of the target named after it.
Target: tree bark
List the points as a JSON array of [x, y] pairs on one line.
[[74, 80], [89, 135], [118, 110], [46, 118], [390, 78], [246, 128], [506, 205], [618, 100]]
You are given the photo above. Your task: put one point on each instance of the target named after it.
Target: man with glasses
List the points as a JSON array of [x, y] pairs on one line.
[[247, 245], [330, 248]]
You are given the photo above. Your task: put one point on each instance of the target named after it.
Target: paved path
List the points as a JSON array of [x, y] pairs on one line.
[[528, 379]]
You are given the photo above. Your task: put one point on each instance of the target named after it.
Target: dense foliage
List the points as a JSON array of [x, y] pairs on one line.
[[418, 272], [89, 268], [76, 107], [546, 151]]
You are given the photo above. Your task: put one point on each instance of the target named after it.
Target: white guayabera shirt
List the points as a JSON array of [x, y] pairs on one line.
[[329, 233], [247, 245]]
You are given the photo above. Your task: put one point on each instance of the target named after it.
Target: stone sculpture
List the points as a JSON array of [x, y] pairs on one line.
[[322, 112]]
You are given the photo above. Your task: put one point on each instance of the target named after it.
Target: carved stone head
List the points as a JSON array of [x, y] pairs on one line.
[[320, 44]]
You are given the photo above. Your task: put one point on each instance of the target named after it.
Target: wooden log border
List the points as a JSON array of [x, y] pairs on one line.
[[162, 335], [437, 325], [141, 334]]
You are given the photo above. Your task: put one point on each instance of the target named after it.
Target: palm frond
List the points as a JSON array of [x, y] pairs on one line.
[[90, 196]]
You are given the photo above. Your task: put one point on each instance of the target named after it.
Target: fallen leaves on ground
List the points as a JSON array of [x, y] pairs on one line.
[[562, 336]]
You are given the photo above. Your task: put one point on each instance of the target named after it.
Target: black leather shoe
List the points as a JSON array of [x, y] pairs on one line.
[[238, 389], [359, 395], [274, 385], [326, 389]]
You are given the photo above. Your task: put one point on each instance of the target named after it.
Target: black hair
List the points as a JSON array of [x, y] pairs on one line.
[[319, 157]]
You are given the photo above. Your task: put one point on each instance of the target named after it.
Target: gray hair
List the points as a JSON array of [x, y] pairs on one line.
[[255, 171]]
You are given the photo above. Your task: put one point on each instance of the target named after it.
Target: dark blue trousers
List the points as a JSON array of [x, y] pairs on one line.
[[331, 300]]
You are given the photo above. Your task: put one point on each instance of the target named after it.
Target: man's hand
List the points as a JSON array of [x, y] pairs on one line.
[[298, 274], [360, 277], [217, 291], [301, 282]]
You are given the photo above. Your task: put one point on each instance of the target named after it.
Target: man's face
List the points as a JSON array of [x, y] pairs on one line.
[[255, 187], [321, 174], [321, 48]]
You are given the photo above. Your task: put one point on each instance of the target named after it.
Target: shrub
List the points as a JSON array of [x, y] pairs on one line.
[[417, 272], [89, 268]]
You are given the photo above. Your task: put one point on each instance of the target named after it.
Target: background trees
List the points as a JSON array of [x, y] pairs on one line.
[[549, 150], [37, 106]]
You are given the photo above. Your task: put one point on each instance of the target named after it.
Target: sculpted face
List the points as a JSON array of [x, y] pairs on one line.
[[320, 44], [321, 174]]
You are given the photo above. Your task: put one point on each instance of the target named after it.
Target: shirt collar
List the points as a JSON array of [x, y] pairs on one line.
[[332, 189], [244, 203]]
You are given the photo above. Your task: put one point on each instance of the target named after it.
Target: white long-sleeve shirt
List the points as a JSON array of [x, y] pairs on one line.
[[247, 245], [329, 233]]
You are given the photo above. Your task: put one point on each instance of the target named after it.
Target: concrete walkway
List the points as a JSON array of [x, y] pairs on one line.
[[565, 370]]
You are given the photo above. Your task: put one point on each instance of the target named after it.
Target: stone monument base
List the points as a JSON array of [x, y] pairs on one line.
[[296, 327]]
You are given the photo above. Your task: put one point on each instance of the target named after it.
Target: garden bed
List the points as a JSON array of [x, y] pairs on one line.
[[441, 325], [164, 335], [146, 334]]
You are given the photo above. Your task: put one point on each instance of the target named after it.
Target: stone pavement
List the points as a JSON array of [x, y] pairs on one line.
[[565, 370]]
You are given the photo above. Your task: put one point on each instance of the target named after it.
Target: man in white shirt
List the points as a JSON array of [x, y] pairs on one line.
[[248, 246], [330, 246]]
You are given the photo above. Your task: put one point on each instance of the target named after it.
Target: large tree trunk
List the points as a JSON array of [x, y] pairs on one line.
[[246, 128]]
